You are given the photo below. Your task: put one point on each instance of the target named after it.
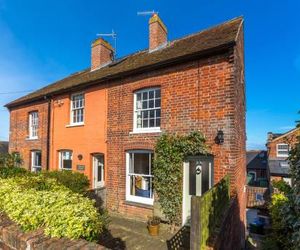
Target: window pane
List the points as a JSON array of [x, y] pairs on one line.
[[151, 123], [157, 103], [141, 163], [151, 104], [145, 123], [138, 96], [158, 122], [144, 104], [151, 94], [145, 95], [157, 113], [157, 93], [151, 113]]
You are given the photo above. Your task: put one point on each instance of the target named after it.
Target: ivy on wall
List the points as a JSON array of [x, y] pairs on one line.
[[170, 151]]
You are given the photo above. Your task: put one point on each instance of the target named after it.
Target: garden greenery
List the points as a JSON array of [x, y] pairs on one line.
[[39, 202], [170, 151], [285, 207]]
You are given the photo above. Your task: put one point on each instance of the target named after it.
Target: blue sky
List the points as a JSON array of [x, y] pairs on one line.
[[42, 41]]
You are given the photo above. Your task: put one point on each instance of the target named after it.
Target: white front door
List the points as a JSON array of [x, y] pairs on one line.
[[197, 179], [98, 171]]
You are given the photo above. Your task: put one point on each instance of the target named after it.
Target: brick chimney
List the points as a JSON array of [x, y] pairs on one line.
[[157, 33], [102, 54]]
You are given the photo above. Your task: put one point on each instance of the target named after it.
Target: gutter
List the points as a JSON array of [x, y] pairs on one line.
[[172, 61], [48, 131]]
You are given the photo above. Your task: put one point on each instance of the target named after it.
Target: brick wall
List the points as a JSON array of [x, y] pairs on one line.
[[290, 139], [251, 196], [205, 95], [19, 132]]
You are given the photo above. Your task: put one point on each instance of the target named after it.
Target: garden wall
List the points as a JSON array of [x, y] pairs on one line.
[[13, 238]]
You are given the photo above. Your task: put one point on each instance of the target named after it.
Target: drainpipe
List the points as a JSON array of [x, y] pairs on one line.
[[48, 131]]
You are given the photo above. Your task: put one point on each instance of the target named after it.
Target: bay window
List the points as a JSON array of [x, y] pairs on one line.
[[139, 178]]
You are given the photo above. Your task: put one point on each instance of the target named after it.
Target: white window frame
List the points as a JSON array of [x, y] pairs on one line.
[[277, 149], [149, 129], [35, 167], [132, 198], [33, 125], [72, 109], [60, 159]]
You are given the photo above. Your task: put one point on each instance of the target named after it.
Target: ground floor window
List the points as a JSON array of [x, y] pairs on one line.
[[65, 159], [139, 176], [36, 161]]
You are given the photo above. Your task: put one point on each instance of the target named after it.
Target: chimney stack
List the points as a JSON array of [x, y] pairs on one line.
[[157, 33], [102, 54]]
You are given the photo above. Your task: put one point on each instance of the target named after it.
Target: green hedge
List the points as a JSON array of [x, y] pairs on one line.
[[77, 182], [40, 202]]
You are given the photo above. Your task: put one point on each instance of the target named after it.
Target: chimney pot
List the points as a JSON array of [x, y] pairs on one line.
[[157, 33], [102, 54]]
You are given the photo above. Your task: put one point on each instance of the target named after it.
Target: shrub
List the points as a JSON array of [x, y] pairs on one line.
[[35, 202], [282, 186], [77, 182], [10, 160], [7, 172]]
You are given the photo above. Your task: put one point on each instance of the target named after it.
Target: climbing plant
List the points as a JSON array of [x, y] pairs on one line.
[[170, 151]]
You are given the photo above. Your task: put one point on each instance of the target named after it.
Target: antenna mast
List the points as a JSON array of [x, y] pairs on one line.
[[113, 35], [147, 13]]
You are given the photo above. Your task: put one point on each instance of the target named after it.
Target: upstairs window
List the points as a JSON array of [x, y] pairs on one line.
[[65, 159], [77, 109], [282, 150], [147, 110], [36, 161], [33, 124]]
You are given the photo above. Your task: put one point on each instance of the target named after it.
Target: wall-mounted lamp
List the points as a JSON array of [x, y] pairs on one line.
[[220, 137]]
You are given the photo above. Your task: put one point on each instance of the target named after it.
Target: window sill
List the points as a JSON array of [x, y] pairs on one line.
[[31, 139], [136, 204], [75, 125], [145, 131]]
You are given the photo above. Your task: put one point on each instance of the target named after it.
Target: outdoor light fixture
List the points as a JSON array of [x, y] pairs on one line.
[[80, 157], [220, 137]]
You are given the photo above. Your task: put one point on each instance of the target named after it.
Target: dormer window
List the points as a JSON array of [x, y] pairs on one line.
[[282, 150], [77, 109]]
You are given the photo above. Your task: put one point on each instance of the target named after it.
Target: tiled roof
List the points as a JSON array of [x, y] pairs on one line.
[[257, 159], [279, 167], [202, 43]]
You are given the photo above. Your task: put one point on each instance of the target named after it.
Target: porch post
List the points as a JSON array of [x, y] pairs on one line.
[[195, 235]]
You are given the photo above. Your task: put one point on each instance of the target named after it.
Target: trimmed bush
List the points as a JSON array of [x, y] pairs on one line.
[[40, 202], [77, 182], [7, 172]]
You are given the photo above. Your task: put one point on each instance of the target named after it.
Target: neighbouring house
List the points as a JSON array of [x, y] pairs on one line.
[[104, 121], [279, 146], [257, 164], [3, 147]]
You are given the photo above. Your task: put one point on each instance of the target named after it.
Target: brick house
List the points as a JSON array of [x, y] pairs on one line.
[[278, 146], [257, 165], [104, 121]]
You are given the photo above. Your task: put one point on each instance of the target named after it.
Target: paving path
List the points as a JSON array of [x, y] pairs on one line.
[[131, 234]]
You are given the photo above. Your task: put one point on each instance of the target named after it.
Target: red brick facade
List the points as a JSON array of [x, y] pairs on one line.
[[290, 139], [19, 132], [206, 93]]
